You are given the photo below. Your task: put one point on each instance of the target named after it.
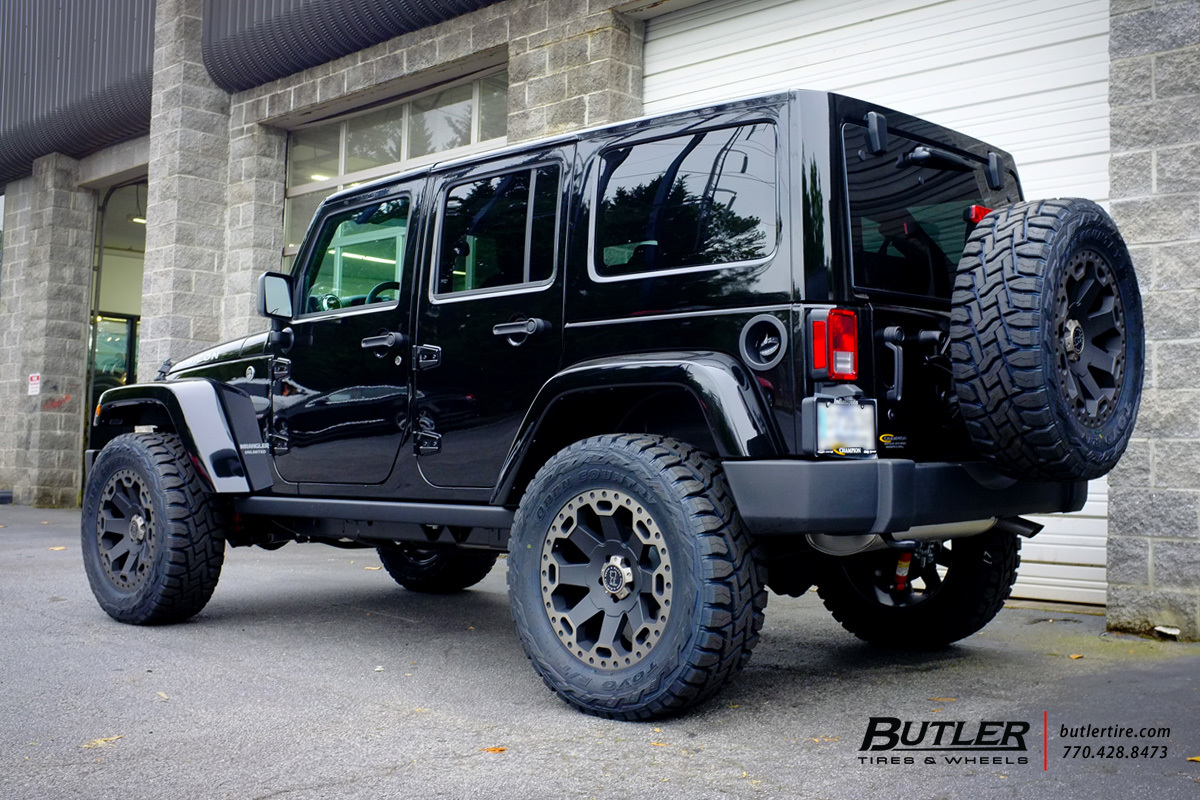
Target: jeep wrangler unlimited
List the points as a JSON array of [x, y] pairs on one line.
[[787, 341]]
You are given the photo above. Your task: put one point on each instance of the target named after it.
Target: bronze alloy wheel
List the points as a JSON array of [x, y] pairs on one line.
[[606, 579]]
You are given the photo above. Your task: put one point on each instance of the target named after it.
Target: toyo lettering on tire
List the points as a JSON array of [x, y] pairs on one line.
[[631, 578], [1047, 340], [435, 570], [152, 532]]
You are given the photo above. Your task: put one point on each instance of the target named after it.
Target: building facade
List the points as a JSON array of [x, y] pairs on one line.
[[157, 155]]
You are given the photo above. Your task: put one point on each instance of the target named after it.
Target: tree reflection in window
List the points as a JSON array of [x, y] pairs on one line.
[[694, 200]]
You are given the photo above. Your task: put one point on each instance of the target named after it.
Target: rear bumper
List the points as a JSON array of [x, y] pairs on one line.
[[883, 495]]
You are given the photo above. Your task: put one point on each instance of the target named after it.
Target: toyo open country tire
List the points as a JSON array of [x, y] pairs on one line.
[[957, 590], [436, 570], [152, 534], [1047, 340], [631, 578]]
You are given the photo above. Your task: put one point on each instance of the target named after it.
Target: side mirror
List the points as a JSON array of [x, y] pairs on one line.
[[275, 295]]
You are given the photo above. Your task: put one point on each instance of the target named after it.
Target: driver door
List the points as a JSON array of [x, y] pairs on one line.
[[340, 394]]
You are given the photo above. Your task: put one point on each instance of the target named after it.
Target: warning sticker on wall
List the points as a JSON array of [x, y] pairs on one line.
[[35, 383]]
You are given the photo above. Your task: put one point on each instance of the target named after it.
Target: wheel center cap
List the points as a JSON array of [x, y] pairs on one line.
[[616, 577], [1073, 339], [137, 528]]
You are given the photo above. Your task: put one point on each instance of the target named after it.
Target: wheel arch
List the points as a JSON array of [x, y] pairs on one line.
[[708, 399], [215, 422]]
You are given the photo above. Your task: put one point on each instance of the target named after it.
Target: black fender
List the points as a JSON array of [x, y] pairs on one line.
[[730, 399], [216, 423]]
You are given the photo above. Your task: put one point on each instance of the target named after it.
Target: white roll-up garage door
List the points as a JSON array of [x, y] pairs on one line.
[[1029, 76]]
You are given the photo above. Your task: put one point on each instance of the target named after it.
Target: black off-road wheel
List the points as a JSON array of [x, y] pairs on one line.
[[954, 588], [633, 586], [1047, 340], [436, 570], [152, 532]]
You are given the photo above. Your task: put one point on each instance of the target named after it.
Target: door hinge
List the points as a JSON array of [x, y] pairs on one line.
[[427, 443], [426, 356], [279, 443], [281, 369]]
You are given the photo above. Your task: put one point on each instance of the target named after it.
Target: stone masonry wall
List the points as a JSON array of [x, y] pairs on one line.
[[572, 65], [18, 199], [1154, 504], [52, 320], [183, 283]]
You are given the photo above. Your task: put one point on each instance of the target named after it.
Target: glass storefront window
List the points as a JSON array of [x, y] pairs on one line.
[[374, 139], [440, 121], [313, 155], [334, 155], [493, 107], [297, 214]]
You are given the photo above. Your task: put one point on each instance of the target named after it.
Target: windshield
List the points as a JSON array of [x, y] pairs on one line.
[[909, 213]]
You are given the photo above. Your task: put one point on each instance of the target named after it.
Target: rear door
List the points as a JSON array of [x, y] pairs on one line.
[[489, 328]]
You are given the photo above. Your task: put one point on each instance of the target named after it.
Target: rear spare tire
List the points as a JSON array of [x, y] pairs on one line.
[[1047, 340]]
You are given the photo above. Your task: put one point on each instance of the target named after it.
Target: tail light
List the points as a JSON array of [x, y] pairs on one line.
[[835, 344], [975, 214], [820, 345], [843, 345]]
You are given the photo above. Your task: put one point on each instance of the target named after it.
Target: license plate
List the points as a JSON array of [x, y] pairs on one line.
[[846, 428]]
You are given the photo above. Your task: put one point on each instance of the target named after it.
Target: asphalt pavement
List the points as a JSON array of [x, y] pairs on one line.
[[312, 675]]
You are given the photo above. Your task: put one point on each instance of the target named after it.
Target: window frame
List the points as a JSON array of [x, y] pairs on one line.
[[305, 258], [593, 194], [512, 288]]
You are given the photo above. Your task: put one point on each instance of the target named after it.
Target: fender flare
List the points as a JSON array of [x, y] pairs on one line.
[[728, 394], [216, 423]]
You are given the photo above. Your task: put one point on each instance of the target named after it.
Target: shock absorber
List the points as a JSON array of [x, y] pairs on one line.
[[900, 579]]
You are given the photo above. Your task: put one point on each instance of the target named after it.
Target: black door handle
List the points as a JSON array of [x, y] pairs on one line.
[[525, 327], [386, 340]]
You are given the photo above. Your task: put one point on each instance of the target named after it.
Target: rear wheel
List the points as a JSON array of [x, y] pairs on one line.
[[152, 533], [1047, 340], [633, 586], [436, 570], [954, 588]]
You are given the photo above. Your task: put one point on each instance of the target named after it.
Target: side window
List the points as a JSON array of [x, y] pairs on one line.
[[695, 200], [358, 259], [499, 231]]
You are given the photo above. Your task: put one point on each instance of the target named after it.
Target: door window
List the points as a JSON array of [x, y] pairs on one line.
[[499, 231], [358, 258]]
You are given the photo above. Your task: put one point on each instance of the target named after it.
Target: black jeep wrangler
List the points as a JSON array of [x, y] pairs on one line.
[[787, 341]]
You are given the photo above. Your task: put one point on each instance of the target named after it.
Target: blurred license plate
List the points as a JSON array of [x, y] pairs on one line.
[[846, 428]]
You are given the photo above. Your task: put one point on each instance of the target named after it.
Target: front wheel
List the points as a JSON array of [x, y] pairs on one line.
[[633, 586], [952, 590], [152, 533]]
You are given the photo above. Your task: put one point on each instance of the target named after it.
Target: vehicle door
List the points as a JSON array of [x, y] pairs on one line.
[[340, 393], [489, 326]]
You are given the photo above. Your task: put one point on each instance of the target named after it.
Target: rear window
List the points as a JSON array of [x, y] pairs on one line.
[[908, 213], [696, 200]]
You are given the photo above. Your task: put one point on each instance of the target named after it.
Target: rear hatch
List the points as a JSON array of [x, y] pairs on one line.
[[914, 192]]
